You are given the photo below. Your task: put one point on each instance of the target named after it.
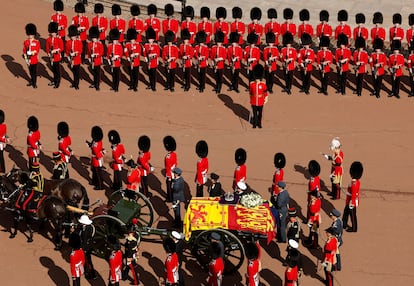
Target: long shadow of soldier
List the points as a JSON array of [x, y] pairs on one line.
[[42, 71], [156, 264], [17, 157], [56, 273], [163, 210], [310, 268], [15, 68], [271, 278], [239, 110], [47, 162], [146, 278], [273, 250], [81, 166], [155, 184]]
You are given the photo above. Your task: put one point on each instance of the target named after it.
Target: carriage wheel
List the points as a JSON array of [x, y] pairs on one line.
[[233, 249], [106, 225]]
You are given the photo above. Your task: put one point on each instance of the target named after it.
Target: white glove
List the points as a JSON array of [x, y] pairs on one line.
[[29, 53], [326, 156]]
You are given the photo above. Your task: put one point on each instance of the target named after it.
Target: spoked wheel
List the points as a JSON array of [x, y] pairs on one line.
[[106, 225], [233, 249]]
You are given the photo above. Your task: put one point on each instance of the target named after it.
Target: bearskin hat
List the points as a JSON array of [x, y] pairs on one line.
[[306, 39], [131, 163], [113, 137], [356, 170], [201, 37], [240, 156], [144, 143], [378, 44], [73, 31], [219, 37], [202, 149], [360, 18], [255, 13], [287, 14], [342, 16], [292, 263], [221, 12], [75, 241], [237, 13], [252, 251], [411, 19], [63, 129], [272, 13], [169, 143], [116, 10], [152, 9], [1, 116], [189, 12], [324, 41], [169, 245], [113, 242], [397, 18], [287, 38], [234, 37], [258, 71], [58, 5], [359, 43], [32, 123], [31, 29], [52, 27], [252, 38], [342, 40], [114, 34], [135, 10], [131, 34], [324, 16], [205, 12], [270, 37], [94, 32], [98, 8], [304, 15], [279, 160], [411, 46], [314, 168], [79, 8], [169, 9], [396, 45], [378, 18], [169, 36], [96, 133], [215, 250], [185, 34], [150, 34]]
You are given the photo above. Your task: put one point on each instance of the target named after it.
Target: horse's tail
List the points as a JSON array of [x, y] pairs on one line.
[[85, 200]]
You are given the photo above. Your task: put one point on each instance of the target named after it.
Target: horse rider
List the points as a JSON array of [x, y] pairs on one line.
[[60, 169], [32, 189]]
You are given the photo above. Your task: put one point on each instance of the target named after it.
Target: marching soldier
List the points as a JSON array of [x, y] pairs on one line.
[[170, 24], [54, 48], [61, 20], [324, 59], [60, 169], [270, 56], [306, 58], [118, 158], [360, 63], [170, 55], [152, 22], [77, 258], [132, 52], [330, 249], [234, 57], [170, 163], [201, 54], [114, 55], [378, 61], [395, 63], [202, 167], [131, 255], [255, 27], [33, 140], [189, 24], [240, 157], [291, 273], [288, 25], [342, 58], [117, 22], [396, 32], [216, 266], [288, 57], [97, 157], [65, 141], [4, 139], [133, 176], [258, 95], [151, 54], [360, 30], [314, 183], [336, 170], [82, 23], [136, 23], [95, 54], [253, 266], [410, 31], [272, 26], [171, 263], [305, 27], [352, 197], [237, 25], [101, 22], [377, 31], [218, 55], [186, 56], [205, 24], [410, 66], [343, 27], [31, 48], [143, 161], [115, 261], [220, 25], [323, 28], [73, 53], [279, 161], [251, 55], [314, 221]]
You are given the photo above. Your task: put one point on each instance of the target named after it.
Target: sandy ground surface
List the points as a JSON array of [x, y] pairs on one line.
[[378, 133]]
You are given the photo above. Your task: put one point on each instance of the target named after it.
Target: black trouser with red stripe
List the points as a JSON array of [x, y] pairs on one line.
[[76, 75], [117, 184], [288, 79], [33, 74], [56, 73], [187, 77], [133, 266], [2, 164], [96, 76], [168, 183], [377, 84], [395, 85], [219, 80], [269, 80], [134, 72], [342, 81], [144, 185], [348, 212], [336, 191], [329, 280], [306, 80], [115, 78], [76, 281], [257, 115], [202, 80], [235, 79], [324, 81], [359, 83], [152, 74], [170, 78], [97, 177]]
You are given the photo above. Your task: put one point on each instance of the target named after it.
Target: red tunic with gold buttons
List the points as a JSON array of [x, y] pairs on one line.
[[234, 56], [170, 52], [170, 24], [143, 162], [201, 54], [329, 250], [252, 53], [224, 27], [336, 169], [187, 51], [361, 56], [305, 28], [314, 184], [33, 144], [273, 27], [271, 52], [115, 266], [55, 43], [306, 55], [171, 269], [134, 180], [96, 52], [82, 23], [239, 175], [138, 25], [77, 262], [240, 28], [378, 32], [215, 272], [62, 22], [170, 163], [97, 154], [277, 177], [64, 148], [114, 53], [133, 52], [378, 58], [152, 52], [396, 33], [324, 56], [352, 195], [120, 24], [102, 23], [341, 54], [202, 170], [289, 53], [74, 46], [155, 24], [343, 29], [360, 32], [218, 52], [258, 93], [396, 60], [288, 27], [323, 29], [291, 276], [252, 275], [3, 137], [207, 27], [192, 28], [31, 48], [314, 208], [118, 153], [257, 29]]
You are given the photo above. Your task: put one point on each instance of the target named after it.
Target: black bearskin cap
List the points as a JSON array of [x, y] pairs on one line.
[[378, 44], [75, 241], [240, 156], [270, 37], [32, 123], [237, 12], [52, 27], [58, 5], [113, 242], [114, 34], [1, 116], [63, 129], [287, 38], [219, 37], [221, 12], [96, 133], [79, 8], [359, 43], [234, 37], [411, 19], [258, 71], [116, 10], [205, 12], [185, 34], [314, 168], [98, 8], [396, 45], [304, 15], [324, 16], [150, 34], [306, 39], [152, 9], [94, 32], [272, 13], [169, 245], [360, 18], [202, 149], [144, 143], [201, 37], [287, 14], [356, 170], [252, 38], [255, 13], [131, 34], [324, 41], [169, 9], [215, 250], [73, 31], [169, 143], [113, 137], [279, 160], [342, 16], [189, 12], [342, 40], [396, 18], [378, 18], [252, 251], [169, 36], [31, 29], [135, 10]]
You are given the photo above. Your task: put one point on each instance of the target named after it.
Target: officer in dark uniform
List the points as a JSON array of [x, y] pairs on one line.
[[60, 169], [86, 231], [215, 189], [338, 228], [177, 195], [131, 255]]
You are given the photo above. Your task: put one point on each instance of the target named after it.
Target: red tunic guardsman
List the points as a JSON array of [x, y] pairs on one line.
[[82, 23], [324, 60], [279, 161], [117, 22], [33, 140], [215, 267], [186, 55], [314, 183], [342, 58], [314, 219], [396, 32], [410, 67], [306, 58], [143, 161], [170, 24], [234, 58], [54, 48], [202, 167], [100, 21], [115, 261], [201, 55], [291, 274], [253, 265], [60, 19], [378, 61], [77, 258], [251, 55], [240, 157], [4, 139], [151, 54], [118, 158], [171, 263], [361, 59], [170, 163], [395, 64], [360, 30], [272, 26], [343, 27], [323, 28], [96, 157], [220, 25], [352, 197], [218, 55], [73, 52], [114, 55], [132, 52], [136, 23], [31, 48], [288, 56], [255, 27], [205, 24], [377, 31], [170, 54], [237, 25], [133, 176], [95, 55], [258, 95], [270, 56], [410, 31], [330, 249], [152, 21], [336, 169], [288, 26], [305, 27], [188, 23], [64, 143]]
